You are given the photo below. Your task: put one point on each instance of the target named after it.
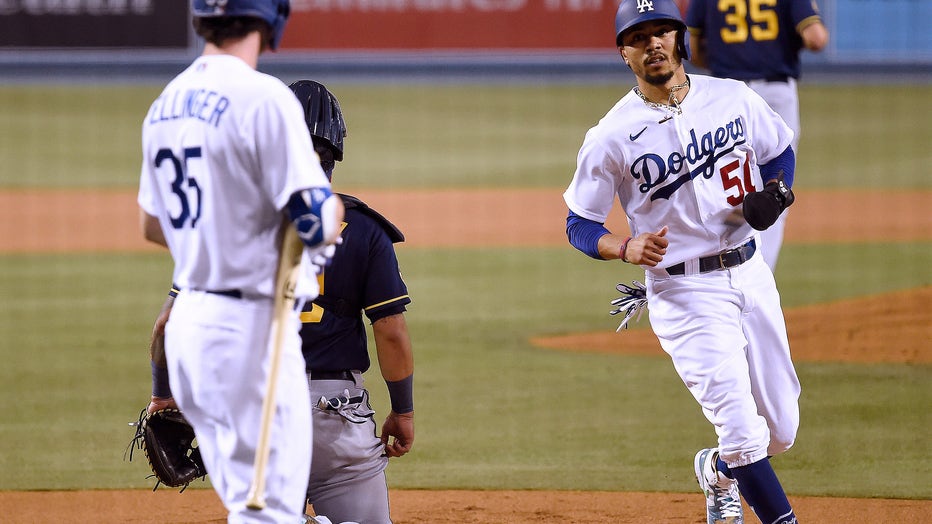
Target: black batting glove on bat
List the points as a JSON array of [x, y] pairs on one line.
[[762, 208]]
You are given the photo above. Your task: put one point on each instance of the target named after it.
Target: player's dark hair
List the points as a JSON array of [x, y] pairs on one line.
[[218, 30]]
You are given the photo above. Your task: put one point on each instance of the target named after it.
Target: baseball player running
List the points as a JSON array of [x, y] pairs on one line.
[[347, 478], [759, 43], [225, 164], [699, 164]]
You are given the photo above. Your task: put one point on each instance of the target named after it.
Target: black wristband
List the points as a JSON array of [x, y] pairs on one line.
[[401, 393], [160, 386]]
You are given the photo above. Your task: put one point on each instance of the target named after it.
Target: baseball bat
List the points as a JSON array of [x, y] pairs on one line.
[[285, 280]]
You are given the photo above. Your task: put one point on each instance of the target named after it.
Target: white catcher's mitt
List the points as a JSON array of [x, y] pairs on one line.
[[631, 303]]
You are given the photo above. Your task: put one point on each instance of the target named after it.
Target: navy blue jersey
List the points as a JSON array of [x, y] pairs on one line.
[[751, 39], [362, 279]]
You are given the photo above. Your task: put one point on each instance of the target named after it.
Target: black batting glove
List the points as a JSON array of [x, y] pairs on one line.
[[762, 208]]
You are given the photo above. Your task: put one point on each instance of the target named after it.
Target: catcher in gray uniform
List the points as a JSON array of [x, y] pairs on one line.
[[349, 454]]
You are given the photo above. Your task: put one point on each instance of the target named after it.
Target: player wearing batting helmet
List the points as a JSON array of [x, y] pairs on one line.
[[211, 17], [347, 480], [700, 166], [226, 161]]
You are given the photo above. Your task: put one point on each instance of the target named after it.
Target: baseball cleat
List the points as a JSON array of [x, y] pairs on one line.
[[322, 520], [722, 500]]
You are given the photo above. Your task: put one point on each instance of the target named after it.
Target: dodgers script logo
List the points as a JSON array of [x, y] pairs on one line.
[[645, 5], [702, 152]]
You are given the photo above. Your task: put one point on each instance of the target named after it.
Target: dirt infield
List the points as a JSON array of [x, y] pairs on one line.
[[42, 221], [83, 221], [201, 506]]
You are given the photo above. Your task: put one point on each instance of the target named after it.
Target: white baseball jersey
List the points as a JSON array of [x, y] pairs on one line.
[[724, 330], [689, 172], [224, 148], [219, 204]]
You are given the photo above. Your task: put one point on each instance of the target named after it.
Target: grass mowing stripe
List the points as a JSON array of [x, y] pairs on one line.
[[442, 136]]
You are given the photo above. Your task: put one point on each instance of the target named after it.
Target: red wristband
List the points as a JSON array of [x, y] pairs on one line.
[[624, 247]]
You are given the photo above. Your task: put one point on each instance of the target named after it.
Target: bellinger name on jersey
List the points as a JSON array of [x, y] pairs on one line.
[[204, 105]]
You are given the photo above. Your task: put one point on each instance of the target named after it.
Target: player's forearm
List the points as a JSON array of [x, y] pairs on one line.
[[157, 344], [610, 246], [160, 385], [645, 249], [393, 347], [584, 234], [815, 36], [151, 229], [396, 360]]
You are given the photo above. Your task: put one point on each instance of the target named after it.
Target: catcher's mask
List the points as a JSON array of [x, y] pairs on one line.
[[273, 12], [633, 12], [324, 120]]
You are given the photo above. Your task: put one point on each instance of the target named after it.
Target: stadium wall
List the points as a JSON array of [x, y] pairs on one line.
[[458, 38]]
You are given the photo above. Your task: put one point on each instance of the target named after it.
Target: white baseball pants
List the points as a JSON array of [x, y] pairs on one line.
[[217, 349], [726, 334]]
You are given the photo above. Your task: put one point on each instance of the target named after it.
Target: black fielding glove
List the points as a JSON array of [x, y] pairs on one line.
[[762, 208], [168, 441]]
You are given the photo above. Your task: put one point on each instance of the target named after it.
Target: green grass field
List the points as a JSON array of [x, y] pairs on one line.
[[493, 411], [421, 135]]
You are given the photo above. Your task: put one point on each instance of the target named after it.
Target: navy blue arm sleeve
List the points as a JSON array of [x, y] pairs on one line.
[[584, 234], [786, 162]]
